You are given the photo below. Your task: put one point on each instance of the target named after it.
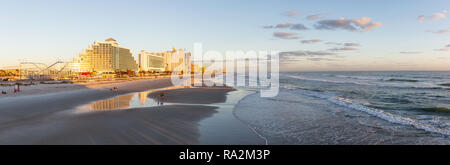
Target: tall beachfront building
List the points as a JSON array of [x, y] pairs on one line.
[[105, 56], [176, 60], [151, 61]]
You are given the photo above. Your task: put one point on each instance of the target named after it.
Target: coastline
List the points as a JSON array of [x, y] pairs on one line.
[[296, 119], [204, 116], [46, 88]]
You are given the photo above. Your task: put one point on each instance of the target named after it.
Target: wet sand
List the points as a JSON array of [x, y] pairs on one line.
[[222, 128], [52, 118], [175, 125], [202, 95]]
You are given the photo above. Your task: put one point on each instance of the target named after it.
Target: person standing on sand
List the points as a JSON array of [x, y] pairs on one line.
[[114, 89], [17, 88], [161, 98]]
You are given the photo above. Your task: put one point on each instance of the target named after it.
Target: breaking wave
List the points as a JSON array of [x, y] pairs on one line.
[[393, 118]]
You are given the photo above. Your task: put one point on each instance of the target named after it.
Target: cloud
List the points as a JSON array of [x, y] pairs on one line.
[[340, 23], [437, 16], [333, 43], [363, 21], [314, 17], [301, 53], [310, 41], [321, 59], [292, 13], [317, 16], [433, 17], [292, 26], [443, 31], [283, 25], [351, 44], [348, 44], [372, 26], [362, 24], [411, 52], [299, 27], [285, 35], [342, 49], [420, 18], [445, 49]]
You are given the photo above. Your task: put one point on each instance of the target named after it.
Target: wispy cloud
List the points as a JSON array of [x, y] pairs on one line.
[[285, 35], [351, 44], [292, 26], [299, 27], [433, 17], [283, 25], [322, 59], [437, 16], [342, 49], [310, 41], [291, 13], [411, 52], [319, 16], [347, 44], [333, 43], [420, 18], [301, 53], [445, 49], [443, 31], [362, 24]]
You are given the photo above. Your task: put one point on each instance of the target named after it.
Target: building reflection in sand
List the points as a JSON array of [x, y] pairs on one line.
[[128, 101]]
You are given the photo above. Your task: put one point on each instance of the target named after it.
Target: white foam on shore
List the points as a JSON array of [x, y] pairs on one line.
[[393, 118]]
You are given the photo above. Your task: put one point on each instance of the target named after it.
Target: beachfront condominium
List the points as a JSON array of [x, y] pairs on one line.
[[105, 56], [176, 60], [151, 61]]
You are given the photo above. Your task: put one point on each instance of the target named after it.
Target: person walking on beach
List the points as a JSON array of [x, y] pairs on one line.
[[16, 88], [161, 98], [115, 89]]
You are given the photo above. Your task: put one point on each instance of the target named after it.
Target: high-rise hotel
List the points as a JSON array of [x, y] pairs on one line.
[[176, 60], [105, 56]]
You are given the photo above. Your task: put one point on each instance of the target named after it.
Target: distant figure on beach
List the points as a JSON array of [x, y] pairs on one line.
[[161, 98], [16, 88], [115, 89]]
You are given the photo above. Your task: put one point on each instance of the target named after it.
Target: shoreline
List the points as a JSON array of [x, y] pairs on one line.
[[296, 119], [50, 117], [47, 88]]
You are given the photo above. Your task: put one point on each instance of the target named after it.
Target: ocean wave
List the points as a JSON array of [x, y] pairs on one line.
[[366, 83], [436, 109], [402, 80], [393, 118], [327, 80], [445, 84]]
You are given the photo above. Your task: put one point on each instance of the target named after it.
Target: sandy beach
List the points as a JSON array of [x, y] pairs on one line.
[[52, 118], [61, 86]]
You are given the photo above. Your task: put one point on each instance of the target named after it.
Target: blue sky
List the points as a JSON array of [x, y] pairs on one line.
[[47, 30]]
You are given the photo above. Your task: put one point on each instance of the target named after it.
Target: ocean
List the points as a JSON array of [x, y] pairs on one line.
[[397, 107]]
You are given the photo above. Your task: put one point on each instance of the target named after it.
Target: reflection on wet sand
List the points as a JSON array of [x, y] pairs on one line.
[[119, 102], [128, 101]]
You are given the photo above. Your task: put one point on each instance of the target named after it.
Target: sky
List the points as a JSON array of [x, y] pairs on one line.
[[319, 35]]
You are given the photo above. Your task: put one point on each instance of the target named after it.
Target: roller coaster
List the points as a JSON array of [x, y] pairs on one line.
[[35, 70]]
